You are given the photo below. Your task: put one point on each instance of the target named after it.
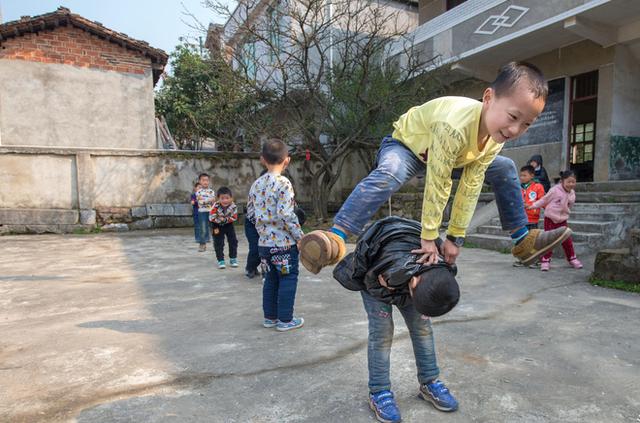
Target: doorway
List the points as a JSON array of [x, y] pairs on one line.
[[582, 124]]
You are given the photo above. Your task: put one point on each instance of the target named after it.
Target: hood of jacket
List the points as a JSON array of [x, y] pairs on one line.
[[537, 158]]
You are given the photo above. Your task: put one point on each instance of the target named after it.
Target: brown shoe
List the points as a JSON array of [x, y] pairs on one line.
[[538, 242], [202, 247], [319, 249], [338, 248]]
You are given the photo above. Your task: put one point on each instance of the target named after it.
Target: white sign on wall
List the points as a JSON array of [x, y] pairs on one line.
[[506, 19]]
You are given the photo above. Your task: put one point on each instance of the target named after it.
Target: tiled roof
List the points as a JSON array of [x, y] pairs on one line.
[[64, 17]]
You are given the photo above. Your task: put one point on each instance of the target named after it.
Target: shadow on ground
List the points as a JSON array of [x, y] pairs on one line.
[[141, 327]]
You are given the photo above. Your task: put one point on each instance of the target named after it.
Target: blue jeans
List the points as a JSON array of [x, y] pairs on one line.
[[253, 257], [396, 165], [281, 281], [381, 338], [196, 227], [203, 232]]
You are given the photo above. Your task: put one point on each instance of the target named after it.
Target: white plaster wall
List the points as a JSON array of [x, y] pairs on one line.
[[28, 181], [626, 93], [62, 105], [55, 178]]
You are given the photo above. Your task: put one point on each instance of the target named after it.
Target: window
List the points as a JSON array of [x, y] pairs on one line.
[[276, 27], [249, 58], [582, 137]]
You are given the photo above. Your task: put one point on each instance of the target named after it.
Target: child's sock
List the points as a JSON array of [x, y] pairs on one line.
[[519, 235], [339, 233]]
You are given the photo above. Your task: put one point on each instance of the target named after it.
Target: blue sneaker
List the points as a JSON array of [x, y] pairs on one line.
[[221, 264], [437, 394], [384, 405], [233, 262], [295, 323], [270, 323]]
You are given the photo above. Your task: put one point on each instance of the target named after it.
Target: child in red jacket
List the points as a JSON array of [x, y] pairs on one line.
[[223, 213], [532, 191]]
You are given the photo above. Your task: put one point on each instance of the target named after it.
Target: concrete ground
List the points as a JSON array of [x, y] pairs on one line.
[[139, 327]]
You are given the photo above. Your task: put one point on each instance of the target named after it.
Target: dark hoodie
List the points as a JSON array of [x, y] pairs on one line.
[[385, 248], [540, 175]]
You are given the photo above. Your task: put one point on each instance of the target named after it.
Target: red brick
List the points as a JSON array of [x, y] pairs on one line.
[[74, 46]]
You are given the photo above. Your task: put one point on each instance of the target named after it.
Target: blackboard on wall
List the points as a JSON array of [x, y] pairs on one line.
[[548, 127]]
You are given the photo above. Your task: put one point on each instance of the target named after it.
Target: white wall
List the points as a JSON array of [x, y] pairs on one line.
[[61, 105]]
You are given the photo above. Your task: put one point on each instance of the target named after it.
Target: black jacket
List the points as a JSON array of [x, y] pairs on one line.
[[540, 174], [385, 248]]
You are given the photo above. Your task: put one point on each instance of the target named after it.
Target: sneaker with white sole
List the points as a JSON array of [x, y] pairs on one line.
[[270, 323], [221, 264], [233, 262], [384, 405], [575, 263], [295, 323], [438, 394]]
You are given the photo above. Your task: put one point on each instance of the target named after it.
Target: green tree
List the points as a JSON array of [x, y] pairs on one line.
[[333, 77], [201, 99]]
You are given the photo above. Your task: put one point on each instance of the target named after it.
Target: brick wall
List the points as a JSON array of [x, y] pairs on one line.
[[74, 46]]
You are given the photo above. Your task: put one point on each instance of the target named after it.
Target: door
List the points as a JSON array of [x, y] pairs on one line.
[[582, 124]]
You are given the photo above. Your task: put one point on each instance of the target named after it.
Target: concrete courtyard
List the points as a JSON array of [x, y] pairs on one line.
[[139, 327]]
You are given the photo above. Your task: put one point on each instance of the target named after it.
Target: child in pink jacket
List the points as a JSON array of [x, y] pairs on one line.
[[557, 205]]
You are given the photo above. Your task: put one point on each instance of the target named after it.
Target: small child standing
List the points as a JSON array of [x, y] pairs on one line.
[[271, 201], [223, 213], [253, 257], [557, 205], [194, 212], [252, 265], [532, 191], [205, 197], [539, 172]]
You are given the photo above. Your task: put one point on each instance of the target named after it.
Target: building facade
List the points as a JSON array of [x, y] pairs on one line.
[[589, 50], [279, 23], [67, 81]]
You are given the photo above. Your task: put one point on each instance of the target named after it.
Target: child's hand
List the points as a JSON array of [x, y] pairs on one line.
[[429, 252], [529, 207], [381, 280], [450, 251]]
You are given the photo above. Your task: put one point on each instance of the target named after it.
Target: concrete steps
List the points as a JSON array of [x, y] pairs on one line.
[[596, 215], [592, 225], [601, 217], [620, 208], [590, 237], [608, 197], [609, 186], [503, 244]]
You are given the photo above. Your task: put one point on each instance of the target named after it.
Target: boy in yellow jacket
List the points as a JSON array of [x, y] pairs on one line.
[[437, 137]]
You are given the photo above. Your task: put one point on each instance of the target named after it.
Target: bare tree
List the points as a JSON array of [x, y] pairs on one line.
[[325, 77]]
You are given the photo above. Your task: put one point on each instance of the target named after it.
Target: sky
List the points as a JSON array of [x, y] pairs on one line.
[[161, 23]]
